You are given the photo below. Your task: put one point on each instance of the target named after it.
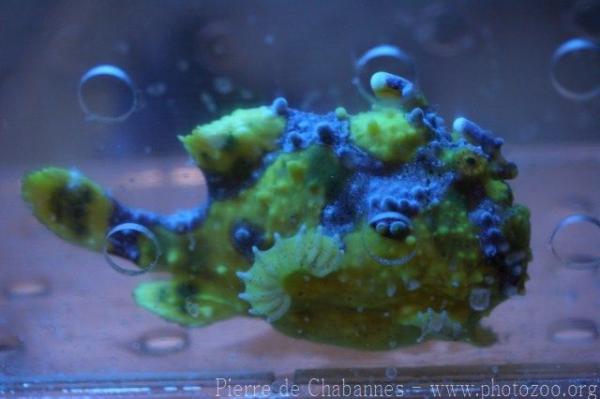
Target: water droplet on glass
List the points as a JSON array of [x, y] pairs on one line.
[[163, 342], [157, 89], [107, 94], [133, 242], [574, 331], [575, 242], [223, 85], [479, 299], [387, 58], [575, 69], [444, 31], [26, 288]]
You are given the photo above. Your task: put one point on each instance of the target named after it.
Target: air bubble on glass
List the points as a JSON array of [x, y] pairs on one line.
[[575, 242], [384, 57], [162, 342], [27, 288], [575, 69], [123, 234], [107, 94], [574, 331]]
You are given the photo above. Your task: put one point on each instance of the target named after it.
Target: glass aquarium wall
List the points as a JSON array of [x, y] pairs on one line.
[[108, 91]]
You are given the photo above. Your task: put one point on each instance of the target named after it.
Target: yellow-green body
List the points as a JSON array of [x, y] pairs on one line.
[[344, 284]]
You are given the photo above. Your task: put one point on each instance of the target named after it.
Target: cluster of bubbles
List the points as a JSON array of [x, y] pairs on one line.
[[108, 94], [575, 243], [123, 230], [575, 64], [440, 30]]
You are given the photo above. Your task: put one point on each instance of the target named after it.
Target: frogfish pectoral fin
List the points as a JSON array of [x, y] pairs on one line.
[[81, 212], [70, 205]]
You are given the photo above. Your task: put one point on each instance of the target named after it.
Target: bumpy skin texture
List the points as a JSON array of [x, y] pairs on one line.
[[371, 231]]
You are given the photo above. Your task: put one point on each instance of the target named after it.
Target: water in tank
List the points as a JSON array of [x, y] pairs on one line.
[[299, 199]]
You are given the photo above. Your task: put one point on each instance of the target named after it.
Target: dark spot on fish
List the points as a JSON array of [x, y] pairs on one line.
[[186, 289], [70, 205]]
